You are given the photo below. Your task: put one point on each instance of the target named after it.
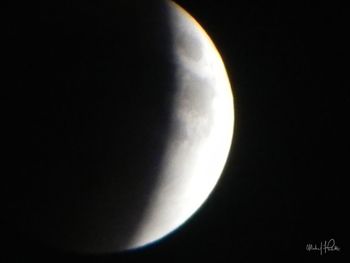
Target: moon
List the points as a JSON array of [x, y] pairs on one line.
[[201, 133], [119, 131]]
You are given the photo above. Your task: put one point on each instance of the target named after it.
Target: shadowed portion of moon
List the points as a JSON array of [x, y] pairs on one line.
[[87, 119]]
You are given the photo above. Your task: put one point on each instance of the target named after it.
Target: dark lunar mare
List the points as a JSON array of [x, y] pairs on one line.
[[85, 113]]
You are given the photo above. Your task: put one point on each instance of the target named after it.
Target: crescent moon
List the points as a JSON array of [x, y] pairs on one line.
[[202, 130]]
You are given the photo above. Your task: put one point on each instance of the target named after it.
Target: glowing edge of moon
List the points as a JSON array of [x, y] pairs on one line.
[[180, 194]]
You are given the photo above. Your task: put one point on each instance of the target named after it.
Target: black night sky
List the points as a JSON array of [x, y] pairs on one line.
[[283, 184]]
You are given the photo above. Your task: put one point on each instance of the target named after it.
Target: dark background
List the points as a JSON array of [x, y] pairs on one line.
[[283, 185]]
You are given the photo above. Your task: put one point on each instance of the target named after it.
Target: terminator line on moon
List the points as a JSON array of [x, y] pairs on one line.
[[201, 136]]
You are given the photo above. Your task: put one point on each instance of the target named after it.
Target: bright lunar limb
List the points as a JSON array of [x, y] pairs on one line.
[[202, 129]]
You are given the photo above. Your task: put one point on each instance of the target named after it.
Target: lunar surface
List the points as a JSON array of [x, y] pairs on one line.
[[118, 132], [201, 133]]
